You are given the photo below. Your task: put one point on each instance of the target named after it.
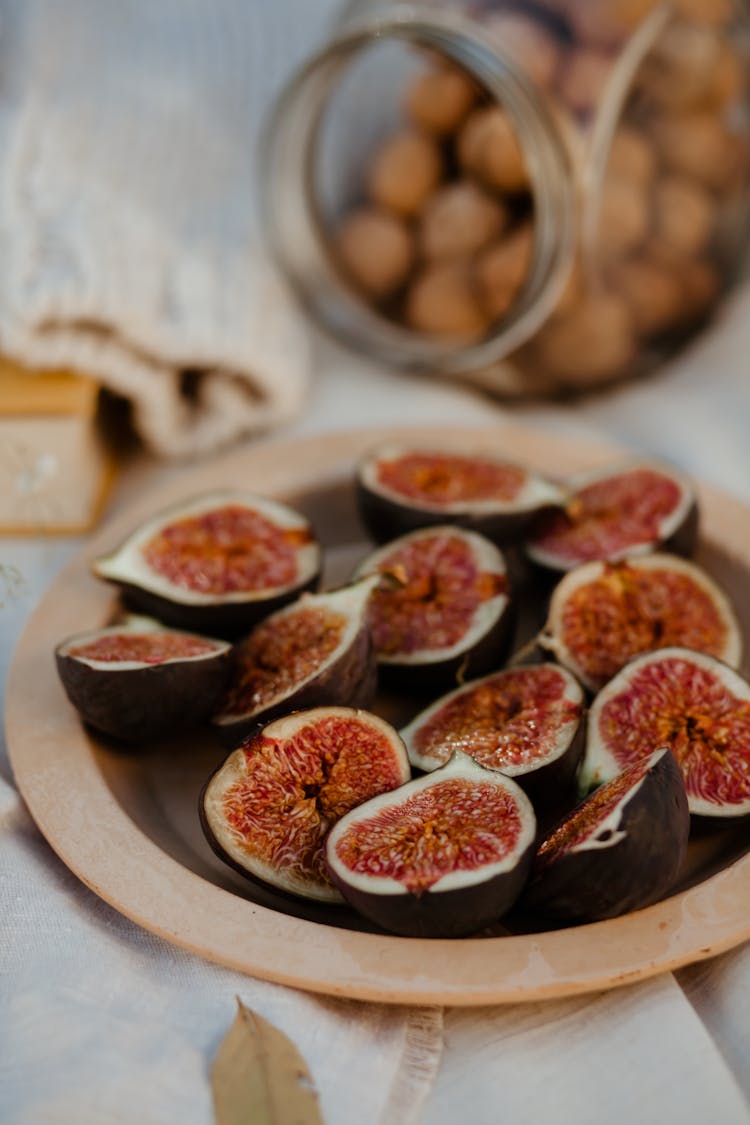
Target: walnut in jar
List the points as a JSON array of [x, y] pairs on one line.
[[459, 220], [624, 217], [632, 157], [488, 149], [592, 343], [440, 98], [654, 292], [405, 172], [502, 268], [684, 218], [442, 301], [376, 250], [697, 145]]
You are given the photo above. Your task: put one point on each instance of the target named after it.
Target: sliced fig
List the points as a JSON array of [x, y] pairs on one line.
[[267, 809], [525, 722], [623, 510], [137, 680], [402, 488], [313, 653], [618, 851], [216, 563], [690, 702], [443, 607], [443, 856], [603, 614]]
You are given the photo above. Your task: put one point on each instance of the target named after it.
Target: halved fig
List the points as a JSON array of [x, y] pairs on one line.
[[315, 652], [402, 487], [622, 510], [137, 679], [524, 722], [443, 856], [443, 606], [603, 614], [690, 702], [620, 850], [267, 809], [216, 563]]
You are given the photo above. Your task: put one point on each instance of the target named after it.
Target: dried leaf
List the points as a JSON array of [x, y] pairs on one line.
[[260, 1078]]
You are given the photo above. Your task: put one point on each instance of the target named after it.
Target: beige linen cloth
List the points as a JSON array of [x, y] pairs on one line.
[[129, 243]]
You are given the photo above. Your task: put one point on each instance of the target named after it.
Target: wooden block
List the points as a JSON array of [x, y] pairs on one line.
[[55, 471]]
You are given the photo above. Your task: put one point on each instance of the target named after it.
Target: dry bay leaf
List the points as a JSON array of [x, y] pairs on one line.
[[259, 1077]]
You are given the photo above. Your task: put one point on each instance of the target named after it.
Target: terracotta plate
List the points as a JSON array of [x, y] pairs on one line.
[[127, 825]]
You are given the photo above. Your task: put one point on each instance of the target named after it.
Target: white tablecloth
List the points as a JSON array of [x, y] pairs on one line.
[[102, 1022]]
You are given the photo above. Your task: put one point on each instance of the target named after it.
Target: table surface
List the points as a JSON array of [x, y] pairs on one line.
[[102, 1022]]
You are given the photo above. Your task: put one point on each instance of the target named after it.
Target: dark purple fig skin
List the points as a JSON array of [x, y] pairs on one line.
[[431, 678], [443, 914], [218, 849], [683, 541], [433, 913], [638, 870], [551, 787], [386, 519], [224, 619], [351, 681], [479, 654], [136, 704], [224, 615], [367, 687]]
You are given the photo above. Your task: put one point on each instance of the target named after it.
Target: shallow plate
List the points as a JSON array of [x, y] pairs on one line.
[[127, 825]]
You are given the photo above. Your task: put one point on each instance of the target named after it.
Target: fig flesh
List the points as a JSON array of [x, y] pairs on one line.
[[267, 809], [689, 702], [402, 488], [603, 614], [628, 509], [137, 680], [525, 722], [313, 653], [216, 563], [620, 850], [443, 856], [443, 607]]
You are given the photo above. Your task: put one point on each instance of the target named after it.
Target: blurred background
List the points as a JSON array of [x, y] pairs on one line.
[[543, 201]]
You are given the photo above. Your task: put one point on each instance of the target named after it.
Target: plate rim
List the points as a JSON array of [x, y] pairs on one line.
[[158, 893]]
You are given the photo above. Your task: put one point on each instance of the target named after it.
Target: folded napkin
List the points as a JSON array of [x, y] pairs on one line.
[[131, 248]]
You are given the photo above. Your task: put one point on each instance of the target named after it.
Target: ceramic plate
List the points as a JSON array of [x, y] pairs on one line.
[[127, 824]]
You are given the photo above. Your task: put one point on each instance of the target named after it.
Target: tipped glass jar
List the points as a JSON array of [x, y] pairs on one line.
[[540, 197]]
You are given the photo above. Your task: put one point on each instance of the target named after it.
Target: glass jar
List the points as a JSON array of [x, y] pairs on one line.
[[540, 196]]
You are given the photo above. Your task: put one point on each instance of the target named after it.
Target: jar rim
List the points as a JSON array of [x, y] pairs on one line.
[[295, 232]]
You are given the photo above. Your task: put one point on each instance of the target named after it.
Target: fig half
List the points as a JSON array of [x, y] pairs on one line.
[[603, 614], [313, 653], [443, 607], [620, 850], [401, 488], [623, 510], [138, 680], [267, 809], [525, 722], [216, 563], [690, 702], [443, 856]]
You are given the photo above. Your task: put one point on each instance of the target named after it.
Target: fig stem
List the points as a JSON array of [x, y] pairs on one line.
[[521, 654]]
